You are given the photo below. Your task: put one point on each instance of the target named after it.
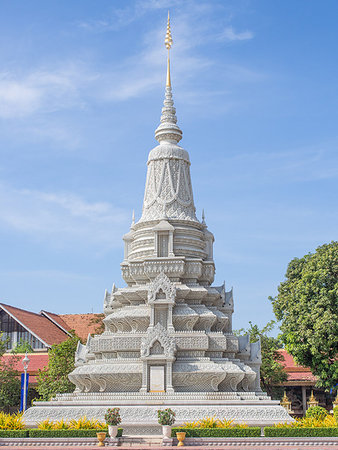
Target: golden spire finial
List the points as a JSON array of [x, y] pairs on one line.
[[168, 43]]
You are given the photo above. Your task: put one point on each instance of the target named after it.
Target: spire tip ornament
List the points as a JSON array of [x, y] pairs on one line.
[[168, 41]]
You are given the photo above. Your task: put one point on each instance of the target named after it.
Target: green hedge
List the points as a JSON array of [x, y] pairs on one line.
[[301, 432], [218, 432], [13, 433], [36, 433]]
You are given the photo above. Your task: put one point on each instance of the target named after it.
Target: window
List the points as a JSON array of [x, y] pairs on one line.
[[11, 329], [162, 244]]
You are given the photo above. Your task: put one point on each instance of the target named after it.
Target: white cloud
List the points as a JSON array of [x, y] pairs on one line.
[[43, 90], [61, 217], [77, 84], [313, 163], [230, 35], [18, 98]]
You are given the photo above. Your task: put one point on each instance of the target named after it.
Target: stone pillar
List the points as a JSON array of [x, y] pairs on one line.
[[171, 244], [152, 317], [169, 387], [155, 243], [304, 399], [170, 318], [257, 382], [144, 387]]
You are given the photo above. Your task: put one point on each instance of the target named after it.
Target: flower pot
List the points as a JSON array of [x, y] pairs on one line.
[[166, 431], [101, 437], [112, 430], [180, 437]]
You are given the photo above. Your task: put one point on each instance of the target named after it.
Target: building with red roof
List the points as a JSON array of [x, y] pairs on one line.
[[299, 385], [41, 330], [38, 329]]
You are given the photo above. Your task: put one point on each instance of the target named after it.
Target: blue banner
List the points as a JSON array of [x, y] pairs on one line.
[[23, 390]]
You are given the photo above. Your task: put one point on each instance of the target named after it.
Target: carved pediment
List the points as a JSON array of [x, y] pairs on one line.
[[162, 285], [158, 341], [82, 352]]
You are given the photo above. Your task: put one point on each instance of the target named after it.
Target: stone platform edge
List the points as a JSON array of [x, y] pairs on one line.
[[268, 442]]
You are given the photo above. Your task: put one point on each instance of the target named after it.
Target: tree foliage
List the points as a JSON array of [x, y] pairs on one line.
[[272, 369], [54, 378], [23, 347], [307, 306], [9, 379], [98, 319]]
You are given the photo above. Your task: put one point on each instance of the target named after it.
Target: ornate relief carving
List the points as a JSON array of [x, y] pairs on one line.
[[100, 344], [81, 354], [217, 342], [162, 283], [160, 334], [192, 342], [184, 318]]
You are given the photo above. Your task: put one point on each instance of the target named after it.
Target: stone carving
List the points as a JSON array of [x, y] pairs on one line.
[[81, 353], [162, 283], [168, 189], [158, 334], [184, 318], [128, 319], [190, 342]]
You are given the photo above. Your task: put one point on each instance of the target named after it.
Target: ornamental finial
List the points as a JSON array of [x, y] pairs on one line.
[[168, 43], [168, 131]]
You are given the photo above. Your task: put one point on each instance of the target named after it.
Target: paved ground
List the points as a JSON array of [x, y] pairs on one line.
[[156, 447]]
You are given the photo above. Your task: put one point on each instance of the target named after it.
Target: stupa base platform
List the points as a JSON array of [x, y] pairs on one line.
[[139, 411]]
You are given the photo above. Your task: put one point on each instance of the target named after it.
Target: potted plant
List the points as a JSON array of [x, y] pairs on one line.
[[166, 418], [113, 419], [101, 436]]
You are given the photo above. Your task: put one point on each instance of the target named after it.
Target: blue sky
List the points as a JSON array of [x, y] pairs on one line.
[[81, 88]]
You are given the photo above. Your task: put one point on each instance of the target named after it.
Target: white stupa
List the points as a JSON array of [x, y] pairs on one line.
[[168, 338]]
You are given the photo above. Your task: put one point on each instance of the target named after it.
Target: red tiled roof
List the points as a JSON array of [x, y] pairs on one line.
[[37, 361], [82, 324], [37, 324], [56, 318], [294, 371]]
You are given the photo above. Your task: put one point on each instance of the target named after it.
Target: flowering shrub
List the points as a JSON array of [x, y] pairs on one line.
[[11, 421], [74, 424], [335, 413], [317, 412], [86, 424], [309, 422], [166, 416], [213, 422], [112, 416]]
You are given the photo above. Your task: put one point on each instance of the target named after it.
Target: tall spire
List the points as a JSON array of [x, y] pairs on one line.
[[168, 131], [168, 193], [168, 43]]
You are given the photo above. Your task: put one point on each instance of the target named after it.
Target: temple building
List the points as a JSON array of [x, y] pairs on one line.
[[168, 339]]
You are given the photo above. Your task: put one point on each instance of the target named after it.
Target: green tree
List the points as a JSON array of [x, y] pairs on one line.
[[9, 379], [54, 378], [272, 369], [23, 347], [307, 306]]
